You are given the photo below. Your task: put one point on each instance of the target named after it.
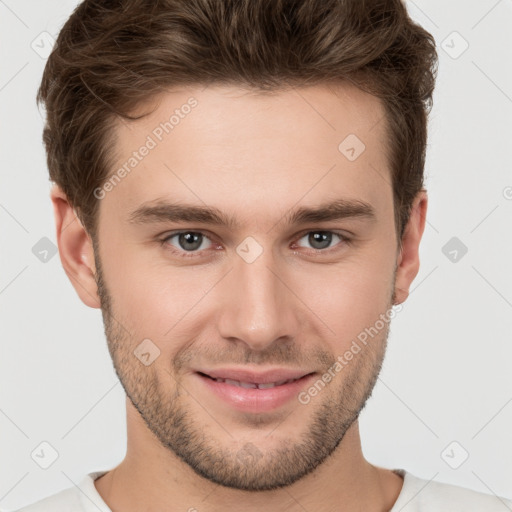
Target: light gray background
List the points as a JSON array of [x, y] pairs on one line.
[[447, 372]]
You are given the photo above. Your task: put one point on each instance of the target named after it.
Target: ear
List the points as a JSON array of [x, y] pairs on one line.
[[75, 249], [408, 262]]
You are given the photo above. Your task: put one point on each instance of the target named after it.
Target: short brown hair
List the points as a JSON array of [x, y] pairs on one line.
[[113, 55]]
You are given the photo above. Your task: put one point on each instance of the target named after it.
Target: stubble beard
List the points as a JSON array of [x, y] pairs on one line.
[[250, 468]]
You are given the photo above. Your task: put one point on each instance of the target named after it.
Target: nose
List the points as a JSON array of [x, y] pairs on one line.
[[258, 306]]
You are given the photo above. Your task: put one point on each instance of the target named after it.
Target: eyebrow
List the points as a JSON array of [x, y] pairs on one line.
[[163, 211]]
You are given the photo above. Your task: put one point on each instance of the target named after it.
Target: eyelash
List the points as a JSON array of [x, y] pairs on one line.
[[195, 254]]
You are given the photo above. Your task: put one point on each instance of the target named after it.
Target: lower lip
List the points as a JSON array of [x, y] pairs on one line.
[[254, 399]]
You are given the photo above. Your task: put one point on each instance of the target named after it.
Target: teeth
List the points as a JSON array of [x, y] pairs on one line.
[[267, 386], [247, 385], [232, 382], [252, 385]]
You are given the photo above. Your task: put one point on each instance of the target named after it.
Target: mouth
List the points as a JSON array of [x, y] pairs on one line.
[[254, 393], [252, 385]]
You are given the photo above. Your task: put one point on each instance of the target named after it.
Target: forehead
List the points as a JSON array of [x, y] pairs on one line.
[[225, 145]]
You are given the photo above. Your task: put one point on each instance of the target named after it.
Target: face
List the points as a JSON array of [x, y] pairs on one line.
[[256, 281]]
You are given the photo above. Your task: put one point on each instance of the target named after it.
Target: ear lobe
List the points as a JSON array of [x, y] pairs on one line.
[[408, 261], [75, 249]]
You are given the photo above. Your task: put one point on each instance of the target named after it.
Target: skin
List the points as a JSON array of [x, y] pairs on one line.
[[256, 157]]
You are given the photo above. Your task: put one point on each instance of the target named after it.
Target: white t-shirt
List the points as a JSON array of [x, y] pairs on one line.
[[417, 495]]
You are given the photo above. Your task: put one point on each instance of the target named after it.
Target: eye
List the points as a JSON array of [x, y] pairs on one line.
[[186, 242], [321, 240]]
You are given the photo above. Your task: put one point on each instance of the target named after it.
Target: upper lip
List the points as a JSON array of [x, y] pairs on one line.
[[257, 377]]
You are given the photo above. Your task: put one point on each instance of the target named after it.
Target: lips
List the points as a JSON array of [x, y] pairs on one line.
[[251, 391], [245, 378]]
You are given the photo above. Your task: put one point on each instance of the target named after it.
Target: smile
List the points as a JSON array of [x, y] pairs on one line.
[[253, 385]]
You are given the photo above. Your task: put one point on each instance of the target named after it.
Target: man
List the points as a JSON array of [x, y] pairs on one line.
[[239, 187]]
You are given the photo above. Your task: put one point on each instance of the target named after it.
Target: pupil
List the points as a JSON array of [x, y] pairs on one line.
[[322, 237], [190, 238]]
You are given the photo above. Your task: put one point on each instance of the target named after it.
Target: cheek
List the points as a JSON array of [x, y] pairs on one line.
[[152, 298], [348, 298]]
